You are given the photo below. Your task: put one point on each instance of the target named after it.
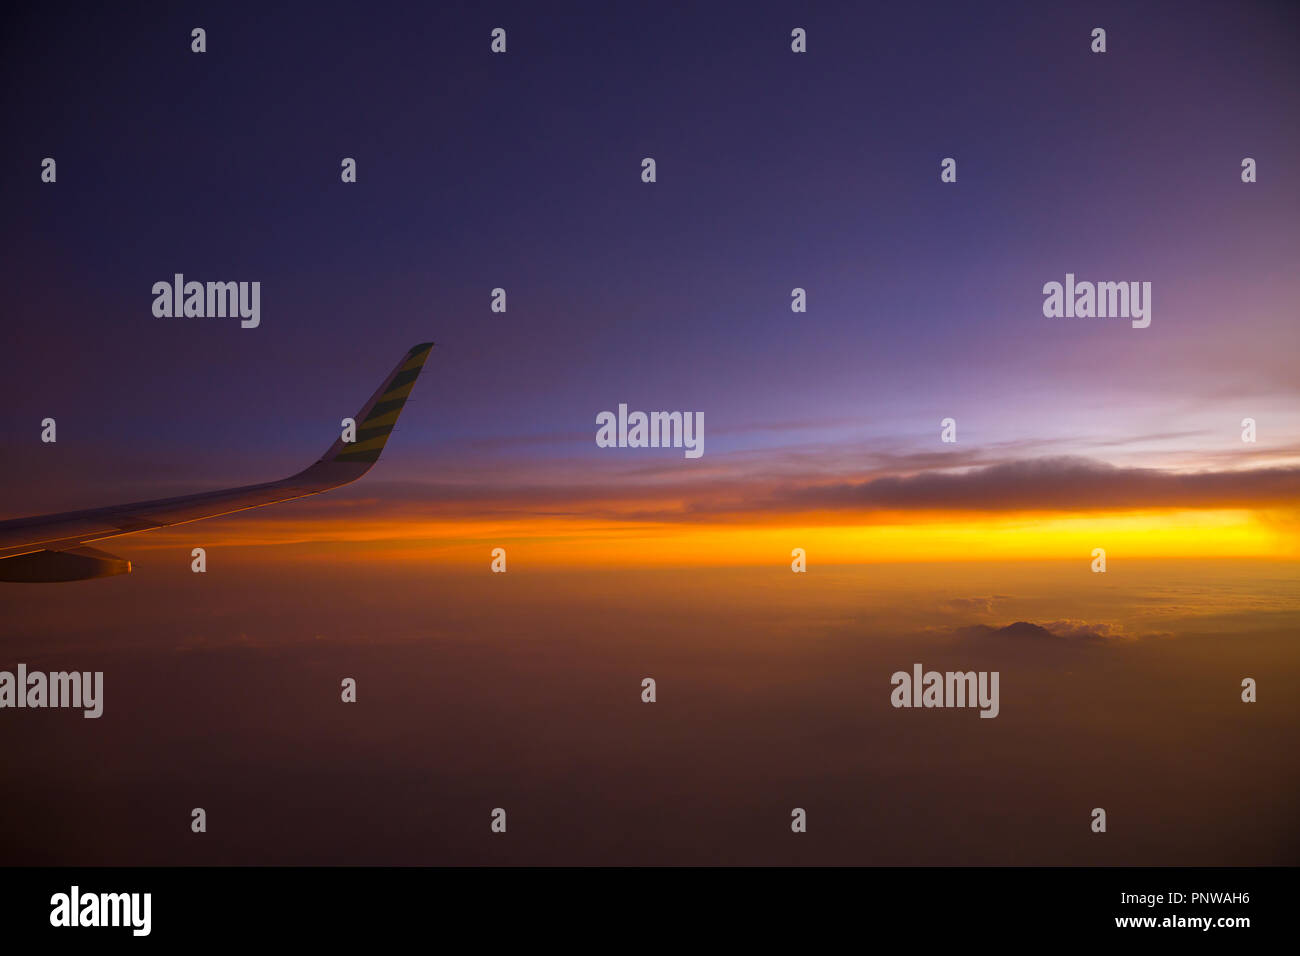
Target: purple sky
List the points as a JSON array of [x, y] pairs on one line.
[[522, 171]]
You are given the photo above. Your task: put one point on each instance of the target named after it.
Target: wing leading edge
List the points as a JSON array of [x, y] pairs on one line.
[[54, 547]]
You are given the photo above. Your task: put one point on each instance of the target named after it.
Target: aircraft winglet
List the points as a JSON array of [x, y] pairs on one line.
[[377, 417]]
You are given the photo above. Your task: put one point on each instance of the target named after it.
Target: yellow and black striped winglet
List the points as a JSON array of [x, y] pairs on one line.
[[375, 421]]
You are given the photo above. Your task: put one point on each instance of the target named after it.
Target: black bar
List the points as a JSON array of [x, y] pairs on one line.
[[659, 906]]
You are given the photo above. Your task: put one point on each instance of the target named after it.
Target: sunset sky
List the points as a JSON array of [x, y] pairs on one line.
[[775, 171]]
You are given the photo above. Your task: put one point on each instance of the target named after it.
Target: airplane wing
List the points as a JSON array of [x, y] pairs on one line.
[[56, 547]]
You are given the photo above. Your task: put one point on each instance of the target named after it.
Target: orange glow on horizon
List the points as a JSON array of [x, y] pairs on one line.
[[830, 538]]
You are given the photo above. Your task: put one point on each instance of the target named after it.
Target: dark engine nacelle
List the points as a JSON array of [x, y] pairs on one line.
[[78, 564]]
